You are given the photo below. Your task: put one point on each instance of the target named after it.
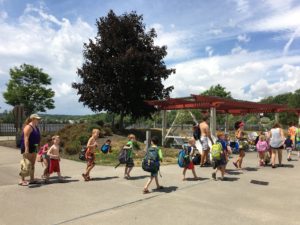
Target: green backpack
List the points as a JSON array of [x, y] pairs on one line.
[[216, 151]]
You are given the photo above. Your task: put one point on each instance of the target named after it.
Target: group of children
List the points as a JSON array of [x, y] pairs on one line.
[[220, 150], [49, 156], [129, 147]]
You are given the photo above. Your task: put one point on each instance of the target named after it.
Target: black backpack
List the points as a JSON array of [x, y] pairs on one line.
[[150, 162], [123, 157], [196, 132], [82, 153]]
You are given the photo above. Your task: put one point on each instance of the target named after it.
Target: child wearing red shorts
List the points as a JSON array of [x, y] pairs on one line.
[[90, 154], [191, 152], [53, 153]]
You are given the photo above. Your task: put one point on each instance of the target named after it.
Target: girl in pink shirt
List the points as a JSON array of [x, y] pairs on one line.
[[262, 147]]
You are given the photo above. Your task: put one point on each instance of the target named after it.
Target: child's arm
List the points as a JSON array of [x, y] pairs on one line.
[[90, 145]]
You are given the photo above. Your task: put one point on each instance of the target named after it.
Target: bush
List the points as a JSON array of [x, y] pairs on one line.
[[83, 139], [107, 131], [73, 147]]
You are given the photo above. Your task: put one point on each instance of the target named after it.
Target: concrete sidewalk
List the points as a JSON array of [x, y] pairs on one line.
[[110, 199]]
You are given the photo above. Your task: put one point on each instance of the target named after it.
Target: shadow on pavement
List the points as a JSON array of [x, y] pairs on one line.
[[103, 178], [231, 179], [288, 166], [138, 177], [259, 182], [197, 179], [251, 169], [233, 172], [166, 189]]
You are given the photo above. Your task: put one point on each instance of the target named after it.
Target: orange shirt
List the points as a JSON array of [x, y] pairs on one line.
[[292, 131]]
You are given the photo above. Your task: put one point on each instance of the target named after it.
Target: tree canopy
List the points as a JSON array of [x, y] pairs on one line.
[[290, 99], [28, 86], [218, 91], [122, 67]]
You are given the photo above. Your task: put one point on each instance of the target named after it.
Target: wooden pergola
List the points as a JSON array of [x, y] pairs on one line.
[[216, 105]]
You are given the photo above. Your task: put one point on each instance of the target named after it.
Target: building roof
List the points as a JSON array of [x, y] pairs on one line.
[[222, 105]]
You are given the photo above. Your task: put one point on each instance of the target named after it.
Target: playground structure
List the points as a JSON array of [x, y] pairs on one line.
[[214, 105]]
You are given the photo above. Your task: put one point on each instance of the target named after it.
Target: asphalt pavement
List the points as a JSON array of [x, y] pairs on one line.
[[255, 195]]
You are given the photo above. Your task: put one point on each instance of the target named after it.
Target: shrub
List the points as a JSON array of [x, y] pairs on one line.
[[73, 147], [83, 139], [107, 131]]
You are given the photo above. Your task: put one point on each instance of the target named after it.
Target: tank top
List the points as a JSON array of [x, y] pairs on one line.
[[276, 140], [34, 139]]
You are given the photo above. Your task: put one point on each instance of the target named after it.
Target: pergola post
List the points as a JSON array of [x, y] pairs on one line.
[[277, 117], [164, 127], [226, 123], [213, 121]]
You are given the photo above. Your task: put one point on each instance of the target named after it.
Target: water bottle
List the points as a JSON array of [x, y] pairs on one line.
[[36, 148]]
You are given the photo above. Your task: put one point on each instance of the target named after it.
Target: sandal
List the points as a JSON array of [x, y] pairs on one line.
[[84, 177], [160, 187], [146, 191], [23, 183]]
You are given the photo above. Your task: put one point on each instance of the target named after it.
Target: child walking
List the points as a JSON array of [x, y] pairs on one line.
[[288, 145], [53, 154], [90, 154], [190, 151], [220, 164], [129, 147], [262, 147], [154, 145], [46, 158]]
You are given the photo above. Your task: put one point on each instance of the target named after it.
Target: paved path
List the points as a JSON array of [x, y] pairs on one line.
[[110, 199]]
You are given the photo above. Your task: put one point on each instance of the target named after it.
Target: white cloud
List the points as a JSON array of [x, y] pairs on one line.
[[238, 50], [286, 20], [243, 38], [47, 42], [209, 50], [176, 41], [249, 76]]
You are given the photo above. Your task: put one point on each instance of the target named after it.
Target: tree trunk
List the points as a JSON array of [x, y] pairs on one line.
[[121, 122], [113, 121]]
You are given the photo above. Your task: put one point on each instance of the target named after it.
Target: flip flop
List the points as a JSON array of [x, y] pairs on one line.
[[146, 191], [23, 183]]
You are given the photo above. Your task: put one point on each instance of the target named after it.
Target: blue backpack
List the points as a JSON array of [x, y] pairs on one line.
[[105, 148], [184, 157], [150, 162]]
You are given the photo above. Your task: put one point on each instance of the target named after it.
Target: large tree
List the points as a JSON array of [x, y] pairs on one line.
[[28, 86], [122, 68], [218, 91]]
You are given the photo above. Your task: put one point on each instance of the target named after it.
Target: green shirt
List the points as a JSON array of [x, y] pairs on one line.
[[129, 151]]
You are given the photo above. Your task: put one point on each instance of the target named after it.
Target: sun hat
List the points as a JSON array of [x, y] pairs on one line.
[[35, 116]]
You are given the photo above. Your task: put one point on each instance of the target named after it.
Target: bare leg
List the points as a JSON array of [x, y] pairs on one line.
[[32, 157], [194, 173], [148, 184], [280, 156], [183, 173], [128, 171], [156, 182], [273, 157]]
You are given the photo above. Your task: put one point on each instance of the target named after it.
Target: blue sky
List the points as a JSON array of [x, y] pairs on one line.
[[252, 47]]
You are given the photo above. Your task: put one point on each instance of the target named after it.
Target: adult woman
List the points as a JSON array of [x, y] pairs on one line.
[[276, 143], [30, 141], [239, 135]]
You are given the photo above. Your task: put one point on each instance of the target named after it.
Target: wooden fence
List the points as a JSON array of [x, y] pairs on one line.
[[8, 129]]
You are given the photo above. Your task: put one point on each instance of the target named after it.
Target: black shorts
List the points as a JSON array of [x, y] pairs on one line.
[[278, 148], [31, 150], [130, 163]]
